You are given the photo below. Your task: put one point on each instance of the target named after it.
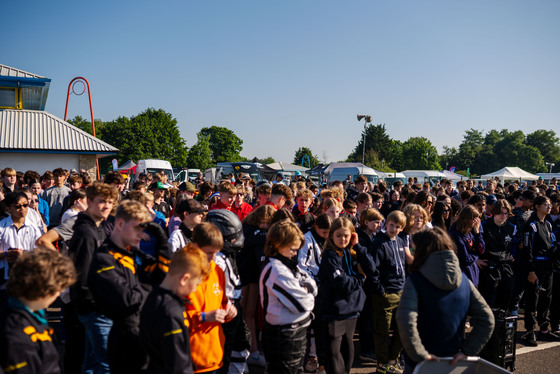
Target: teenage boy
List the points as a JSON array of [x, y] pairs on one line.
[[164, 331], [279, 195], [26, 343], [263, 194], [387, 282], [302, 216], [9, 179], [16, 236], [90, 230], [208, 307], [160, 205], [360, 186], [227, 191], [239, 206], [191, 213], [54, 196], [118, 293]]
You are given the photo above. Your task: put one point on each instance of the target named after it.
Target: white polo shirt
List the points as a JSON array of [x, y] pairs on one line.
[[11, 237]]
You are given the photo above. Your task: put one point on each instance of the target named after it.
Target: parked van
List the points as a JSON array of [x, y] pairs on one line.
[[187, 175], [223, 169], [155, 166], [341, 170]]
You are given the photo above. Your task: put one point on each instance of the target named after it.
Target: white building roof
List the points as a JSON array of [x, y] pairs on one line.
[[13, 72], [31, 130]]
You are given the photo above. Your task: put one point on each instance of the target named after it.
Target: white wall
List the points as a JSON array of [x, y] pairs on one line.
[[39, 162]]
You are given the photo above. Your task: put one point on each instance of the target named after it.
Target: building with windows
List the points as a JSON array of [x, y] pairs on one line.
[[33, 139]]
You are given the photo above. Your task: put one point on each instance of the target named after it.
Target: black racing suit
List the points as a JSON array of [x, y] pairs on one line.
[[538, 255], [497, 280]]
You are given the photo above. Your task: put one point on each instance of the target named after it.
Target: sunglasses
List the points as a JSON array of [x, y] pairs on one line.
[[240, 194], [19, 206]]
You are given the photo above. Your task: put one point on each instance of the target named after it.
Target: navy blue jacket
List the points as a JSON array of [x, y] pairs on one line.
[[388, 265], [341, 284]]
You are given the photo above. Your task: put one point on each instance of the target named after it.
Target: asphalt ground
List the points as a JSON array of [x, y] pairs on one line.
[[543, 359]]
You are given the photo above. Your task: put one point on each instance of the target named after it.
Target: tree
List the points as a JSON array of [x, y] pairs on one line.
[[546, 142], [200, 155], [267, 160], [383, 151], [304, 151], [85, 125], [151, 134], [419, 154], [224, 145]]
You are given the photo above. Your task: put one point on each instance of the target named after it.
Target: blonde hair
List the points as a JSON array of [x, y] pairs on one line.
[[282, 234], [329, 202], [227, 187], [397, 217], [133, 210], [370, 214], [304, 192], [409, 211]]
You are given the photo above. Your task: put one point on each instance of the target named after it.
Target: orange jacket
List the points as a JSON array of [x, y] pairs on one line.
[[207, 338]]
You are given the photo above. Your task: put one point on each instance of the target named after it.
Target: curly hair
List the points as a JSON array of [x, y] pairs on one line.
[[40, 273]]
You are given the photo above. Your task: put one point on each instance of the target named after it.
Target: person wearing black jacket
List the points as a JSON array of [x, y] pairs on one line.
[[26, 340], [538, 243], [90, 231], [114, 281], [496, 274], [342, 297], [164, 331]]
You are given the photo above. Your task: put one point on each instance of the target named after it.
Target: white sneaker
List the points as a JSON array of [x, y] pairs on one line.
[[256, 358], [312, 364]]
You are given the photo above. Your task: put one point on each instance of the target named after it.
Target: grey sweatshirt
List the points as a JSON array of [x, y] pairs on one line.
[[443, 271]]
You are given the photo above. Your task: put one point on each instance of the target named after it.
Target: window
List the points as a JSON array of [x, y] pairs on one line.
[[8, 98]]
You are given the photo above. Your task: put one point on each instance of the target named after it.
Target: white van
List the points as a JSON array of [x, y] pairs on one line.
[[154, 166]]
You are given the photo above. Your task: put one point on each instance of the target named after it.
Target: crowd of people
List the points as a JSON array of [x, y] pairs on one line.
[[159, 277]]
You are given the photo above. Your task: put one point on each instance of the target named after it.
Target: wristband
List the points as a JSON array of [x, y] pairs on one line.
[[203, 316]]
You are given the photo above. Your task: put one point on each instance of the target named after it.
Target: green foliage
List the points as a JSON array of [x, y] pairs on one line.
[[497, 149], [267, 160], [304, 151], [381, 151], [200, 155], [419, 154], [85, 125], [224, 145], [151, 134]]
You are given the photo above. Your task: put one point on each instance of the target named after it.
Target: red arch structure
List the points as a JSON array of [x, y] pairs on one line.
[[72, 89]]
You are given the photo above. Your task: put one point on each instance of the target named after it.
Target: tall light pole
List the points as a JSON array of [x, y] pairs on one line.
[[367, 119], [551, 164]]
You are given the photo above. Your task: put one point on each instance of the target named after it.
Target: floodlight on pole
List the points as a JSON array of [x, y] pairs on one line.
[[551, 165], [367, 119]]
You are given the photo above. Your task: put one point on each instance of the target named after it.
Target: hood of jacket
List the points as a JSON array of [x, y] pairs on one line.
[[442, 269]]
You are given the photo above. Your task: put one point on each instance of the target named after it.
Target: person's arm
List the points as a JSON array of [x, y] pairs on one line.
[[482, 321], [114, 289], [46, 241], [407, 320]]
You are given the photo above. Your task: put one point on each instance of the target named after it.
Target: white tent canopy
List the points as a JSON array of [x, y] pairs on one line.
[[454, 176], [511, 173]]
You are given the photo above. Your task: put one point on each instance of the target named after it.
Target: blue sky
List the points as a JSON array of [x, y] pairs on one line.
[[286, 74]]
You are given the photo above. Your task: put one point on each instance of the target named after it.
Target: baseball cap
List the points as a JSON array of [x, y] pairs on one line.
[[157, 185], [187, 186]]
